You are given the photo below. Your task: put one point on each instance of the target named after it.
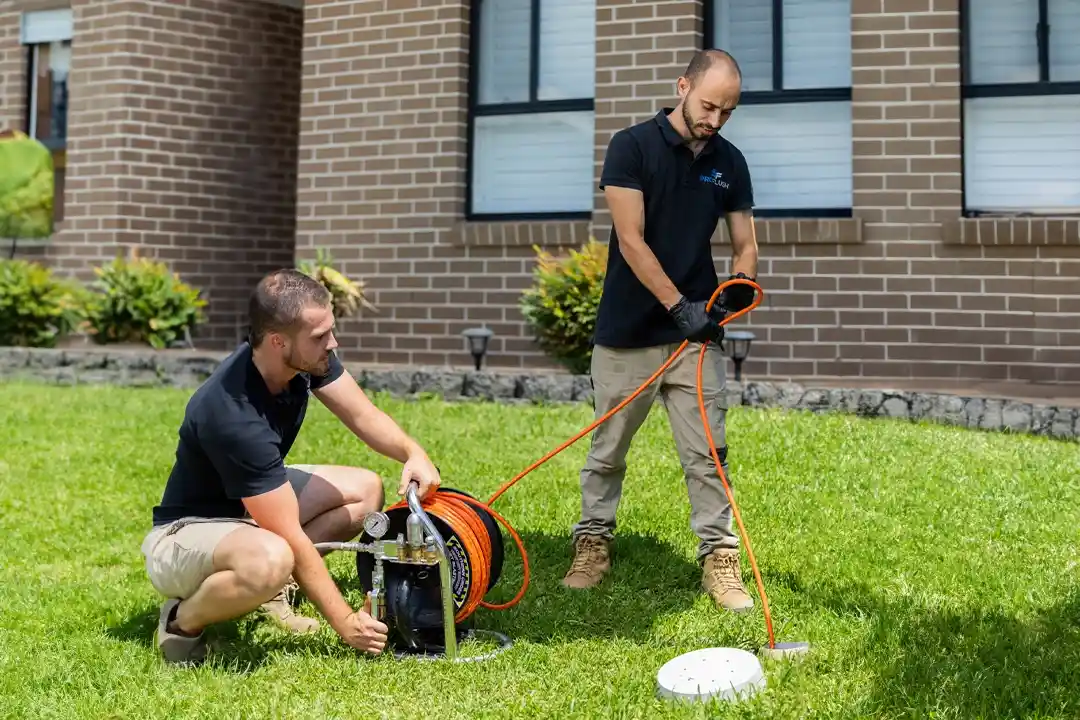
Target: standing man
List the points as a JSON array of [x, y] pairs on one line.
[[235, 522], [667, 181]]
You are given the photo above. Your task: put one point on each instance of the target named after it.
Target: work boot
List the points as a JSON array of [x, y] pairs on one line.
[[279, 610], [591, 562], [722, 580], [177, 649]]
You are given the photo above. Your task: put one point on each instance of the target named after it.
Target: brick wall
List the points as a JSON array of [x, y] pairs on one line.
[[182, 143], [898, 290], [382, 184]]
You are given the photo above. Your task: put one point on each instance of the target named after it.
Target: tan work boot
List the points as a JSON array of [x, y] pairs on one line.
[[279, 610], [722, 580], [591, 562], [175, 648]]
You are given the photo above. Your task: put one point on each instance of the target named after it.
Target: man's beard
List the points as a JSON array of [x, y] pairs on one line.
[[318, 368], [695, 132]]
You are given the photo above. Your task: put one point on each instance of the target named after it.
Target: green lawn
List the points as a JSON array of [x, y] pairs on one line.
[[933, 569]]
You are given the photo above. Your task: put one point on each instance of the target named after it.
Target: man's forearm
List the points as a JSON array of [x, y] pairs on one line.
[[745, 261], [647, 269], [379, 432], [309, 571]]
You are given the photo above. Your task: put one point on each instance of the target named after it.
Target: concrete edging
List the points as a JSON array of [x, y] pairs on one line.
[[186, 369]]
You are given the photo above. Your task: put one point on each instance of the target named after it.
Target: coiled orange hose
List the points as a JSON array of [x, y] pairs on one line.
[[452, 507]]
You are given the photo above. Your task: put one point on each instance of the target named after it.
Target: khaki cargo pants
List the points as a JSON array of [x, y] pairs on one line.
[[616, 373], [179, 555]]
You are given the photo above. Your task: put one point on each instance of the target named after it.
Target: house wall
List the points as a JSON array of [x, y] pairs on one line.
[[905, 287], [182, 143], [379, 94]]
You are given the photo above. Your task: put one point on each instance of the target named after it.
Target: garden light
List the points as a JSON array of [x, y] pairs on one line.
[[739, 340], [478, 343]]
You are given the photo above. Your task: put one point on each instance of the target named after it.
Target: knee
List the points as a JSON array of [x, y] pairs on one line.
[[268, 565], [368, 491]]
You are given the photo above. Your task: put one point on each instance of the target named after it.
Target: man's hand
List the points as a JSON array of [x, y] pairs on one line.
[[696, 324], [738, 296], [363, 632], [419, 468]]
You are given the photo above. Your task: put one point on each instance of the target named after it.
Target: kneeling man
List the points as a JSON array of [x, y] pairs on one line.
[[236, 526]]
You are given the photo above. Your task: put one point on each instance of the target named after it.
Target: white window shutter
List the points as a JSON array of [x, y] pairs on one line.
[[1022, 153], [567, 49], [799, 154], [817, 44], [541, 161], [1064, 44], [1001, 37], [744, 29], [503, 74], [46, 26], [533, 163]]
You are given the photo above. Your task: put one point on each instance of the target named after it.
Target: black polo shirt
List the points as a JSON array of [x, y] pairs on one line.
[[234, 439], [685, 197]]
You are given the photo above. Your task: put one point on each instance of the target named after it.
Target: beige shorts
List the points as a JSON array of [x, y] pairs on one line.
[[180, 555]]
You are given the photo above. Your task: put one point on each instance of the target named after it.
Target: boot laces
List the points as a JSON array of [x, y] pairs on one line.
[[724, 570], [589, 555]]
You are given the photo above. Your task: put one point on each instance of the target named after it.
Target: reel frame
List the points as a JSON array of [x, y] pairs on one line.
[[423, 546]]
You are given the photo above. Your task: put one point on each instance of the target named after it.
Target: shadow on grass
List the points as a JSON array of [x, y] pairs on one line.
[[244, 644], [984, 663], [648, 580]]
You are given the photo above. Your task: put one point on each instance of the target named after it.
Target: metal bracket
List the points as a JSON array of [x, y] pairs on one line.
[[419, 550]]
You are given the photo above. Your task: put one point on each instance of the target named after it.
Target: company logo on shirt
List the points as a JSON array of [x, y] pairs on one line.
[[714, 179]]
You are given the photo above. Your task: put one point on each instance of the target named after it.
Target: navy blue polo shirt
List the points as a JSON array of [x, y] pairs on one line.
[[685, 197], [234, 439]]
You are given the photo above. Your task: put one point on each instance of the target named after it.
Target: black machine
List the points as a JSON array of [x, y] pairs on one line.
[[416, 574]]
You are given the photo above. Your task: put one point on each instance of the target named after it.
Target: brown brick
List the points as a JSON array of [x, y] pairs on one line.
[[902, 290]]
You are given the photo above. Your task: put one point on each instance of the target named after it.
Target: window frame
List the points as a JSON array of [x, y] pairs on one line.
[[1043, 86], [531, 106], [780, 96], [56, 146], [969, 90]]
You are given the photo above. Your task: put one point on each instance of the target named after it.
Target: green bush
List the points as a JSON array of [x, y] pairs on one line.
[[141, 301], [349, 295], [36, 307], [561, 305], [26, 187]]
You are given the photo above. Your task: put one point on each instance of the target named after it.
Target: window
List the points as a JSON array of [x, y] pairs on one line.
[[531, 130], [1021, 90], [47, 38], [793, 122]]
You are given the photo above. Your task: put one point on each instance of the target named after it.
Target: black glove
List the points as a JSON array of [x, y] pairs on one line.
[[737, 297], [696, 324]]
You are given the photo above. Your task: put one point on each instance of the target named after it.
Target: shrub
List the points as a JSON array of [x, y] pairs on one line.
[[26, 187], [141, 301], [561, 305], [348, 295], [36, 307]]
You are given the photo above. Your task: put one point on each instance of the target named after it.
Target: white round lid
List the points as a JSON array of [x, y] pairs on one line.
[[727, 673]]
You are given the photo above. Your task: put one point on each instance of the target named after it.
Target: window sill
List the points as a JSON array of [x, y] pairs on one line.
[[498, 233], [1012, 231], [801, 231]]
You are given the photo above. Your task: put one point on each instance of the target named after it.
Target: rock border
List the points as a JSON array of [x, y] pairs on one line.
[[187, 369]]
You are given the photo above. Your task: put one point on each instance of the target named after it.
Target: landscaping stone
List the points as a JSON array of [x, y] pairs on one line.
[[187, 369]]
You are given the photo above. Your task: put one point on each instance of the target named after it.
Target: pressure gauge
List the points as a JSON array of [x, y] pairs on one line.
[[376, 524]]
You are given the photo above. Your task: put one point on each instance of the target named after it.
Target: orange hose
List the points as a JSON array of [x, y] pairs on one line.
[[450, 507]]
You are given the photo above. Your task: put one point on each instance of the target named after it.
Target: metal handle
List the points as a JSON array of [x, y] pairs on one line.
[[449, 628]]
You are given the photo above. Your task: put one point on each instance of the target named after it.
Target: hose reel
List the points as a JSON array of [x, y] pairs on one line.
[[424, 573]]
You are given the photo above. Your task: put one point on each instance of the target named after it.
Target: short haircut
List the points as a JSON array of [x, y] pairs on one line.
[[703, 60], [278, 300]]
